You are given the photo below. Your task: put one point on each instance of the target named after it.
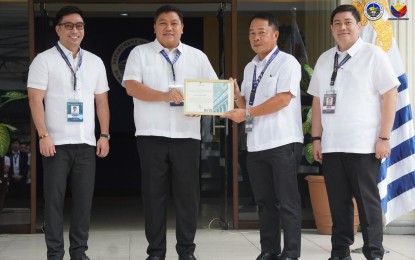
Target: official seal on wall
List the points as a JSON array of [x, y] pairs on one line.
[[120, 56]]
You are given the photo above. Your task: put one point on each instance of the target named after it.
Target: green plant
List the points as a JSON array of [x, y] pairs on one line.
[[306, 114], [5, 128]]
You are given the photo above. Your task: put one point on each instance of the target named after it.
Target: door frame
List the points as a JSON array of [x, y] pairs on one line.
[[234, 59]]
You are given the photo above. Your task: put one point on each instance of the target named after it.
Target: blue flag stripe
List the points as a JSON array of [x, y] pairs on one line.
[[398, 153], [398, 187], [402, 116], [404, 82]]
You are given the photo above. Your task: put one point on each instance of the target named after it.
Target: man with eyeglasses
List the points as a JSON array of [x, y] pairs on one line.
[[63, 77]]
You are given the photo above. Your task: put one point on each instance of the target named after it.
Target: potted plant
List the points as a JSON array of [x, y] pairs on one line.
[[316, 184]]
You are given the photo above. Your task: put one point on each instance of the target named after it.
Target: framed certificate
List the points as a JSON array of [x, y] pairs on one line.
[[207, 97]]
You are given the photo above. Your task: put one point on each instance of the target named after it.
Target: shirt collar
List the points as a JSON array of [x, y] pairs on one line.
[[67, 52], [160, 47], [258, 62], [352, 50]]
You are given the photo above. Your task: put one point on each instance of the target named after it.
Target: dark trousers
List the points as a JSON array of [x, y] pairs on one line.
[[349, 175], [170, 162], [73, 164], [273, 175]]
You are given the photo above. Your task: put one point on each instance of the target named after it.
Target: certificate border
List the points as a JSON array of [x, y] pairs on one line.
[[230, 96]]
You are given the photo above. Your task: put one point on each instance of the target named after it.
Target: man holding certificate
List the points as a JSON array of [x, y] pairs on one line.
[[269, 103], [168, 141]]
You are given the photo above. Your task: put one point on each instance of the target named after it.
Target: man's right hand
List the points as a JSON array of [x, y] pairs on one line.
[[318, 156], [46, 146], [175, 96]]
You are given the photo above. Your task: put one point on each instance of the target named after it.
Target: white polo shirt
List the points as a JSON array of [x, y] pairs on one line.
[[360, 82], [50, 72], [147, 65], [284, 126]]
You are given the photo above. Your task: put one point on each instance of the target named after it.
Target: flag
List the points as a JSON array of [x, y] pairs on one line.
[[396, 181]]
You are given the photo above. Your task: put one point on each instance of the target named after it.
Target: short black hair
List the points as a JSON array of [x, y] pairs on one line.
[[346, 8], [68, 10], [168, 9], [272, 20], [15, 139]]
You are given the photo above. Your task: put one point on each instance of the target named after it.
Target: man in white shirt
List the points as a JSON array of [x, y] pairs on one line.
[[355, 131], [269, 103], [168, 142], [60, 78]]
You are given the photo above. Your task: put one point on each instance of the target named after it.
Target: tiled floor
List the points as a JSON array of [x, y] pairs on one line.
[[117, 234], [211, 245]]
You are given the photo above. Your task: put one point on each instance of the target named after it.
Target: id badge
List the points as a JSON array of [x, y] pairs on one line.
[[249, 124], [329, 104], [75, 111], [180, 88]]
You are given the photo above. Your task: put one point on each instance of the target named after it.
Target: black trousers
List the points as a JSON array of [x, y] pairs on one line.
[[73, 164], [349, 175], [273, 175], [170, 163]]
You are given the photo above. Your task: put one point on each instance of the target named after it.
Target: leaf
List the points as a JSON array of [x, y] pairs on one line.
[[307, 127], [308, 153], [12, 96], [309, 70], [309, 115], [4, 139]]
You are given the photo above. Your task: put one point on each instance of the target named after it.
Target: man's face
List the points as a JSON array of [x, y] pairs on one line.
[[15, 146], [168, 29], [263, 37], [345, 30], [70, 38]]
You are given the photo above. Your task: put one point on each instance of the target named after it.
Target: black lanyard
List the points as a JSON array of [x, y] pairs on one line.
[[15, 156], [69, 64], [255, 81], [337, 66], [171, 62]]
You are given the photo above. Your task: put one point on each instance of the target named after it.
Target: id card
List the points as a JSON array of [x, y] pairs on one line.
[[75, 111], [329, 104], [180, 88], [249, 124]]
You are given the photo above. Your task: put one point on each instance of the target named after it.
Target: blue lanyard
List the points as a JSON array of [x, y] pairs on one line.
[[69, 64], [337, 66], [171, 62], [255, 81]]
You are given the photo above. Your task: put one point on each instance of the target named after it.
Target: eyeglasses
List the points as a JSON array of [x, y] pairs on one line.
[[69, 26]]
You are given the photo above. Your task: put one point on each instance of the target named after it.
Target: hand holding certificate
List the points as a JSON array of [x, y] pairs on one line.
[[208, 97]]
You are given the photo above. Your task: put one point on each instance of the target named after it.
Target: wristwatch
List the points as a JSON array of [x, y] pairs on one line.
[[248, 115], [106, 136]]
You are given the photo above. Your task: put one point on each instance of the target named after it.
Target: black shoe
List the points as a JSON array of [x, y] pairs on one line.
[[288, 258], [340, 258], [187, 257], [84, 257], [155, 257], [377, 258], [267, 256]]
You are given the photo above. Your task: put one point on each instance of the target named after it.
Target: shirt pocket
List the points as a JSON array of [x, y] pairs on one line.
[[154, 77], [266, 90]]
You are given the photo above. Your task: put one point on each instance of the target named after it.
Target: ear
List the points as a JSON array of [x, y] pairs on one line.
[[276, 34]]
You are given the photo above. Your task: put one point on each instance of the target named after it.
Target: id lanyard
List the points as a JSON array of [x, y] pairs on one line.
[[255, 81], [336, 68], [171, 62], [70, 66]]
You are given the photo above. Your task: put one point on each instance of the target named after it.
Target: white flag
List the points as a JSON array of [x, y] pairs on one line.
[[396, 180]]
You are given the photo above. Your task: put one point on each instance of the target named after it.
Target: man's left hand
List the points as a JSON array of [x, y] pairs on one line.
[[103, 147], [237, 115]]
